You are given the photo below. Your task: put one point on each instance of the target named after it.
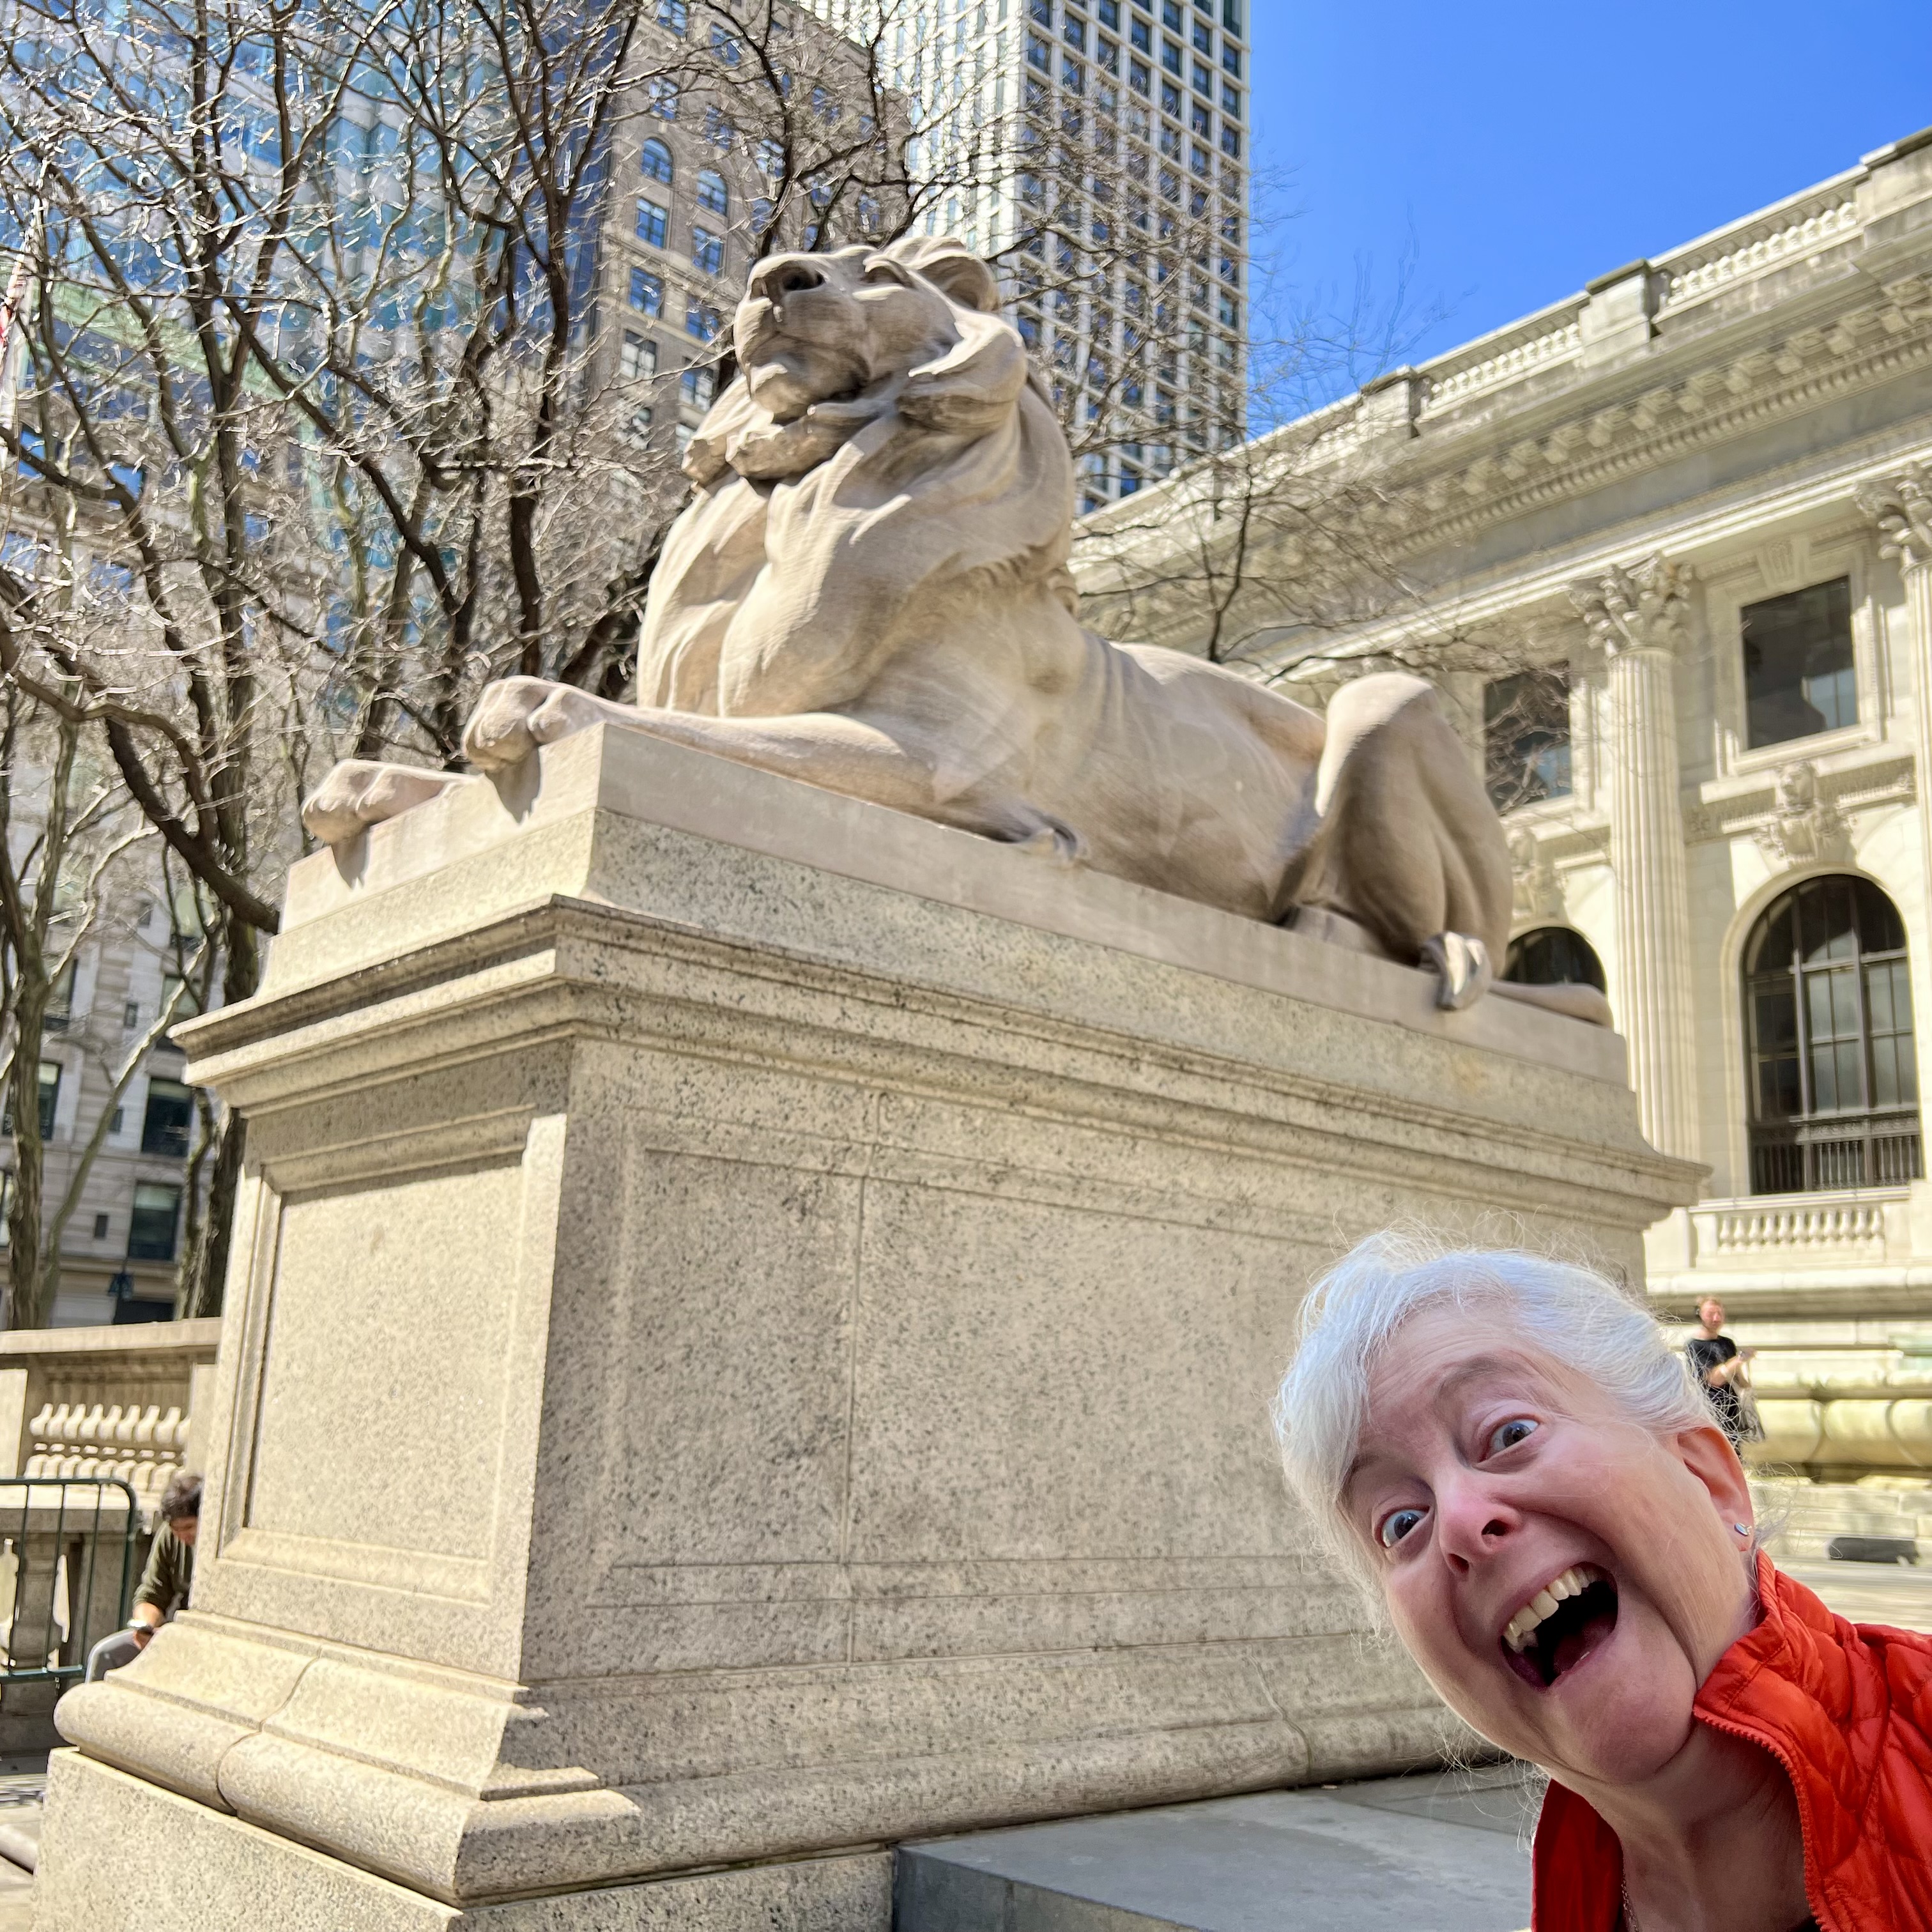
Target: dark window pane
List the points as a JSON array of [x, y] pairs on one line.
[[1824, 1081], [1778, 1098], [1880, 929], [1885, 1073], [1526, 737], [1844, 1006], [170, 1115], [151, 1229], [1553, 956], [1771, 945], [1798, 676], [1775, 1013], [1851, 1074], [1878, 997]]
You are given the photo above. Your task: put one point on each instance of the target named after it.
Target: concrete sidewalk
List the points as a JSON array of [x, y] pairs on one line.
[[1448, 1851]]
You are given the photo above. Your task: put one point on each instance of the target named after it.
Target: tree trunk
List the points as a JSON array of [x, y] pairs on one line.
[[25, 1306], [204, 1263]]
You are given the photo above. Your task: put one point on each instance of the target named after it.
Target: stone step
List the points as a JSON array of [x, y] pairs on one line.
[[1804, 1518], [1447, 1851]]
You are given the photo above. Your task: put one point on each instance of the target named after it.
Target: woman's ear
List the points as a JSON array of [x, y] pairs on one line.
[[1707, 1452]]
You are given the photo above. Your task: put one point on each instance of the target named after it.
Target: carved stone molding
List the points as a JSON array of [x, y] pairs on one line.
[[1805, 827], [1862, 788], [1873, 343], [1639, 609], [1902, 508], [1539, 892]]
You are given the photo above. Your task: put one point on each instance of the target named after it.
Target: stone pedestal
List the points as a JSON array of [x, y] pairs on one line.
[[750, 1336]]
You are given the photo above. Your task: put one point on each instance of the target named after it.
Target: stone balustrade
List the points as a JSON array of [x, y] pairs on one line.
[[123, 1403], [1798, 1224], [141, 1446]]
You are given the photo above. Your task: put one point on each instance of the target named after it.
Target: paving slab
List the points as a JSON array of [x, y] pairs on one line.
[[1449, 1852], [1897, 1594]]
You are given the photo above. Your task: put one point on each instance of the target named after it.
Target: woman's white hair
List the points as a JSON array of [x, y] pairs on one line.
[[1571, 1312]]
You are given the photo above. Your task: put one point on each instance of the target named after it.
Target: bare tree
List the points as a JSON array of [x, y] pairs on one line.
[[323, 371]]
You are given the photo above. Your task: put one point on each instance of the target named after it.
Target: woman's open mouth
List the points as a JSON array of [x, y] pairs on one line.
[[1561, 1625]]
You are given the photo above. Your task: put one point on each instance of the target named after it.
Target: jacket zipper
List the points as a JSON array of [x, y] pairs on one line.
[[1806, 1836]]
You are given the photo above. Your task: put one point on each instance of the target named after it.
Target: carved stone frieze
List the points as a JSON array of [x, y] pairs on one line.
[[1839, 793], [1805, 827], [1640, 608], [1538, 891]]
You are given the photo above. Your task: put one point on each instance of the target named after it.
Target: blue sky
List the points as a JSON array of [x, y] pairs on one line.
[[1509, 153]]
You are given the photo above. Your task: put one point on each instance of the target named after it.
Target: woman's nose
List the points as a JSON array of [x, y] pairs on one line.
[[1473, 1524]]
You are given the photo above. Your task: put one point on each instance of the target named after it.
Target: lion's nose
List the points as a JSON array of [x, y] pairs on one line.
[[787, 275]]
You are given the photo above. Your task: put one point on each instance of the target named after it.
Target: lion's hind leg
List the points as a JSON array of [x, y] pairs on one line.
[[1409, 845]]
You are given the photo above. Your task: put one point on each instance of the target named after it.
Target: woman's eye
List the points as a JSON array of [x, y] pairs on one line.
[[1396, 1525], [1519, 1429]]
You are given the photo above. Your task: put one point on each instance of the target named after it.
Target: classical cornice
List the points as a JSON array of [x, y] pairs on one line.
[[1872, 343]]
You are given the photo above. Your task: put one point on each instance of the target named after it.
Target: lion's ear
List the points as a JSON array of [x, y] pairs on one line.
[[951, 267]]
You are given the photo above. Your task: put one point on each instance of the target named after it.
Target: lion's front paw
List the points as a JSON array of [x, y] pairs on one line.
[[516, 715], [359, 793]]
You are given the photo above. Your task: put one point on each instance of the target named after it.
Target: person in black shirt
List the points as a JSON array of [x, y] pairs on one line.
[[1719, 1364]]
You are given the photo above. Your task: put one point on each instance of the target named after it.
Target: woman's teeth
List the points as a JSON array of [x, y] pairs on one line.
[[1573, 1582]]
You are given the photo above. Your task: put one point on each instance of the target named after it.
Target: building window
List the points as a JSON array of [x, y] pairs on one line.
[[49, 1088], [169, 1114], [700, 387], [647, 291], [1553, 956], [151, 1228], [661, 97], [675, 14], [638, 359], [1798, 677], [100, 1227], [1526, 737], [1827, 1021], [712, 192], [707, 250], [656, 162], [702, 321], [651, 221]]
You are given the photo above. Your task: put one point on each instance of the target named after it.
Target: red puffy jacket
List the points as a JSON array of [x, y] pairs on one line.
[[1846, 1709]]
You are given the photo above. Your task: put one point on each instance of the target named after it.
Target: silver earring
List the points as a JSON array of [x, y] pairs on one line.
[[1740, 1529]]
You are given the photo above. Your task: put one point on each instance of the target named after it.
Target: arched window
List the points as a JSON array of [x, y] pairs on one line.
[[1553, 956], [712, 192], [1828, 1026], [656, 161]]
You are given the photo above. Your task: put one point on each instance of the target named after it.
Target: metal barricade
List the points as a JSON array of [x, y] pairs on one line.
[[66, 1571]]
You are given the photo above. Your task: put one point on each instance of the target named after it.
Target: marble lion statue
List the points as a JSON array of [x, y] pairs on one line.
[[869, 592]]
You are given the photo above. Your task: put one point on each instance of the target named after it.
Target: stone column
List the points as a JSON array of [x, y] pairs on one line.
[[1636, 615], [1902, 508]]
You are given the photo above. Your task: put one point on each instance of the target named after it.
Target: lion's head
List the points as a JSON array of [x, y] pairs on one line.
[[827, 344], [883, 439], [815, 329]]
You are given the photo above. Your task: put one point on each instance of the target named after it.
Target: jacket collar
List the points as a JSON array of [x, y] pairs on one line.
[[1764, 1688]]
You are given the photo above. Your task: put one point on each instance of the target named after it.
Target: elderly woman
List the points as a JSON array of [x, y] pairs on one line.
[[1562, 1536]]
